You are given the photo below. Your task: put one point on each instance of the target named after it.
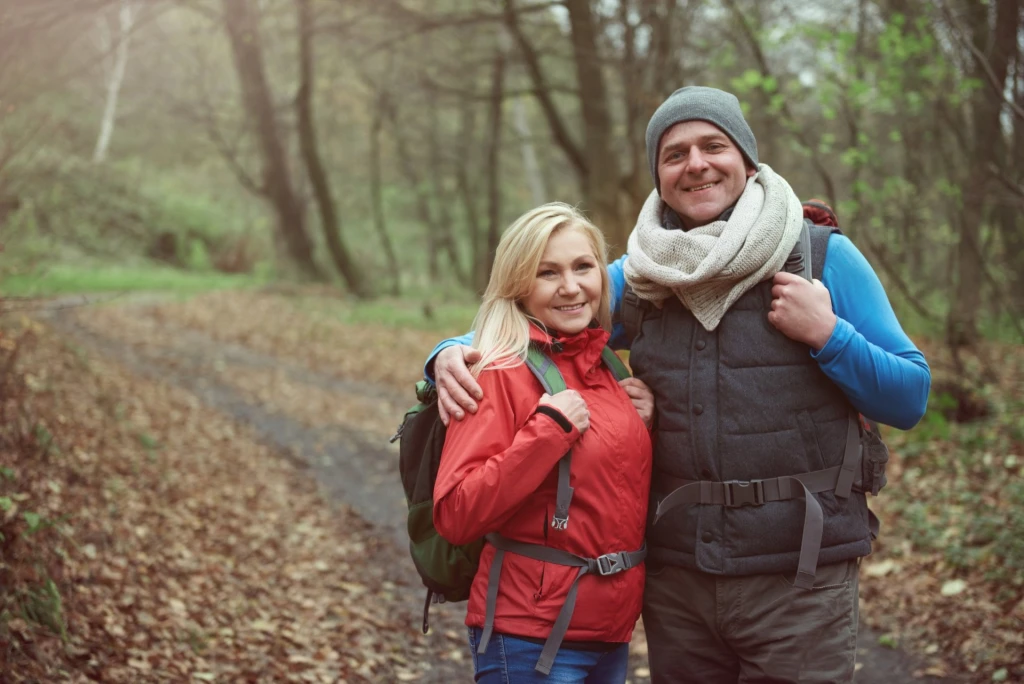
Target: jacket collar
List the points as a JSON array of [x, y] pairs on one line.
[[584, 347]]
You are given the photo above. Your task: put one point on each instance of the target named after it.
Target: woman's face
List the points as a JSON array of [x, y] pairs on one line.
[[566, 290]]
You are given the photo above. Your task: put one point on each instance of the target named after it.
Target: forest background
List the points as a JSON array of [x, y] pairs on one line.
[[375, 150]]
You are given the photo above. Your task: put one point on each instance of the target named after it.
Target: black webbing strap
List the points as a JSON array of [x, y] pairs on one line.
[[550, 378], [851, 458], [631, 312], [608, 564], [563, 497], [800, 261], [737, 493]]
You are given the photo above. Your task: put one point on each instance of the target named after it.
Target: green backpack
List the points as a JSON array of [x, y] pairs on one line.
[[447, 569]]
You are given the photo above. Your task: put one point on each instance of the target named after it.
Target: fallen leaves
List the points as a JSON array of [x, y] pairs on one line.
[[193, 553]]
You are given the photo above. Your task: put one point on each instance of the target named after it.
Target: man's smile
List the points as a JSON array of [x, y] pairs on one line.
[[698, 188]]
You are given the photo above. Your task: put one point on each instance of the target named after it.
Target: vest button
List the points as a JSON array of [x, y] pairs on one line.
[[707, 538], [701, 344], [705, 472], [698, 409]]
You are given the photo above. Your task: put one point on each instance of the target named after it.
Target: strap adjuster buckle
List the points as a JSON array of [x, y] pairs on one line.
[[611, 563], [559, 523], [744, 493]]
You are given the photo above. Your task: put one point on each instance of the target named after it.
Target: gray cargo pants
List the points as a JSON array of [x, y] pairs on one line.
[[759, 628]]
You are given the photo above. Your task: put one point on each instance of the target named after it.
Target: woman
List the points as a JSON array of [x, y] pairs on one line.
[[564, 597]]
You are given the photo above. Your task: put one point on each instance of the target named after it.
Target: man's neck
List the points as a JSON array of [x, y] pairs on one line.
[[674, 222]]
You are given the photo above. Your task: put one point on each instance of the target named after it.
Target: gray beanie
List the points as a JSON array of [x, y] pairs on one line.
[[702, 104]]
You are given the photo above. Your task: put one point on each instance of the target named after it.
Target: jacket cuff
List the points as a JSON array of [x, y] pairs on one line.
[[557, 416], [566, 432], [841, 335]]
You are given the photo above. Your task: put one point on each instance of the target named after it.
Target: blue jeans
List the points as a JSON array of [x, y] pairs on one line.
[[510, 660]]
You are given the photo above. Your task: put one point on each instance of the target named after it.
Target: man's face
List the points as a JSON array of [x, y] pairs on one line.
[[701, 171]]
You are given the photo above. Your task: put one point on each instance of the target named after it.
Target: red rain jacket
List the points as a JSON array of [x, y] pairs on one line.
[[499, 473]]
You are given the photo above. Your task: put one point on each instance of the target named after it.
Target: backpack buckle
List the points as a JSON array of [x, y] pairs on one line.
[[611, 563], [744, 493], [559, 523]]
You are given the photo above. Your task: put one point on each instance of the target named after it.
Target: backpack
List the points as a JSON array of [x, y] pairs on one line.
[[447, 569]]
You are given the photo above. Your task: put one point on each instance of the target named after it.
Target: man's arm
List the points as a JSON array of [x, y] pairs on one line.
[[881, 371], [428, 366], [616, 287]]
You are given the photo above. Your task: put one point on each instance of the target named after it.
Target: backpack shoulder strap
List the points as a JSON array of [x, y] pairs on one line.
[[632, 311], [614, 363], [550, 378], [545, 370], [801, 260], [819, 246], [807, 259]]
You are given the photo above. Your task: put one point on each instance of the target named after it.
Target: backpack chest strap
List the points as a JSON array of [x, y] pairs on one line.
[[608, 564]]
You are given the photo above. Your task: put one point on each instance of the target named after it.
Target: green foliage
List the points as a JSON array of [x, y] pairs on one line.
[[42, 605], [67, 279]]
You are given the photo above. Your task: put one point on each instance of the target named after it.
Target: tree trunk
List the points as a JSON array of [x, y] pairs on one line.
[[115, 76], [962, 325], [494, 168], [531, 168], [445, 239], [1012, 207], [601, 183], [376, 195], [467, 193], [414, 181], [329, 221], [242, 26]]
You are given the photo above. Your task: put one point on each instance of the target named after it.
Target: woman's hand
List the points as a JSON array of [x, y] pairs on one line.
[[571, 405], [642, 398]]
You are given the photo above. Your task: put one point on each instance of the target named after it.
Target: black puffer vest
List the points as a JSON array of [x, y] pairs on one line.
[[743, 402]]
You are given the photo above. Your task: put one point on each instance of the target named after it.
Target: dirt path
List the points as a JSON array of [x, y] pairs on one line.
[[336, 427]]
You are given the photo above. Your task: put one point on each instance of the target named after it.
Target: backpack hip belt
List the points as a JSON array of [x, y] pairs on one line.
[[608, 564], [736, 493]]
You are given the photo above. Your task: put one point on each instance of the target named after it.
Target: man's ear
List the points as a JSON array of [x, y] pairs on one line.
[[750, 170]]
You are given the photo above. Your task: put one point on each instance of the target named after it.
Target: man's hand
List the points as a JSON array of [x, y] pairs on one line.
[[802, 310], [455, 383], [571, 405], [642, 398]]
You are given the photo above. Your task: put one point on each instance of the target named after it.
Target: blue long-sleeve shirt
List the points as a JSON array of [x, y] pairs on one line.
[[869, 356]]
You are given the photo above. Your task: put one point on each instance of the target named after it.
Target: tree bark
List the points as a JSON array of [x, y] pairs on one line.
[[376, 194], [493, 169], [1011, 207], [329, 221], [115, 76], [467, 193], [531, 168], [602, 180], [442, 227], [962, 324], [242, 26]]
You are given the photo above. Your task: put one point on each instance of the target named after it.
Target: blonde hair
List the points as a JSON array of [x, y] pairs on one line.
[[502, 327]]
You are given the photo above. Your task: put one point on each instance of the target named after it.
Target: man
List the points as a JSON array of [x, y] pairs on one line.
[[759, 516]]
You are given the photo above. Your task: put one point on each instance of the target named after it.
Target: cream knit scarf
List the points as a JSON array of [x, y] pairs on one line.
[[711, 266]]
